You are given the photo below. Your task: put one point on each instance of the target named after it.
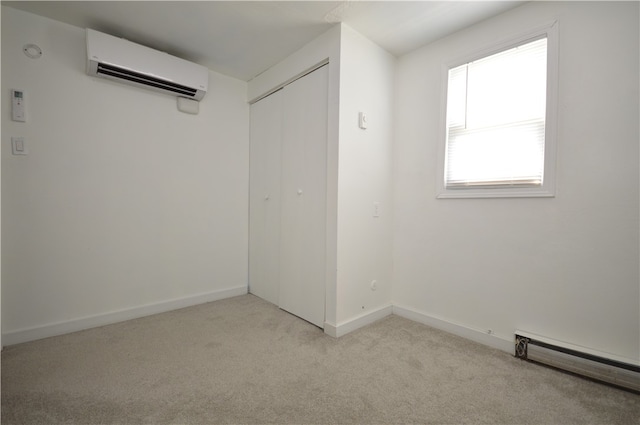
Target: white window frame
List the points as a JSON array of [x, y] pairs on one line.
[[548, 187]]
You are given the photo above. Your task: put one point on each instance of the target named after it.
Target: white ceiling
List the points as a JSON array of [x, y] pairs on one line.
[[244, 38]]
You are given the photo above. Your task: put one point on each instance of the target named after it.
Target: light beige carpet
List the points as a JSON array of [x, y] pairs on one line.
[[243, 360]]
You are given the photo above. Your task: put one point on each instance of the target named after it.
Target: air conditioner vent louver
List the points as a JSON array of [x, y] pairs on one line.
[[135, 77], [126, 62]]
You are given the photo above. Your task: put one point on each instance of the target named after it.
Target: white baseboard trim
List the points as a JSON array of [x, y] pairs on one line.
[[351, 325], [334, 330], [74, 325], [476, 335]]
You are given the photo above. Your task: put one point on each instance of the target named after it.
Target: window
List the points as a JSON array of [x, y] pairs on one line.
[[499, 137]]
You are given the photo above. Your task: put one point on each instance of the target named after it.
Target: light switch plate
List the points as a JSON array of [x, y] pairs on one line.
[[376, 209], [19, 146], [362, 120]]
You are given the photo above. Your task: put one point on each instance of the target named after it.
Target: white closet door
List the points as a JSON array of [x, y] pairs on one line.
[[264, 197], [303, 190]]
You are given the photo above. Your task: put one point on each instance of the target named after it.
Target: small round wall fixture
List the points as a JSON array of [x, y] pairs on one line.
[[32, 51]]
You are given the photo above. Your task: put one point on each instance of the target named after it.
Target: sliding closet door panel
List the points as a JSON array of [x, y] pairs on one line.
[[264, 197], [303, 189]]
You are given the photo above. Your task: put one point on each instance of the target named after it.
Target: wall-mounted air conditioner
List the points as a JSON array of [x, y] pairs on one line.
[[126, 62]]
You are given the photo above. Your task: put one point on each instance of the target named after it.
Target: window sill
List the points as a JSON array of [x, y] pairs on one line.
[[495, 193]]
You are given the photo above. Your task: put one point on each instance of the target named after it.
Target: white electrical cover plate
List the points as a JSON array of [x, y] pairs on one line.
[[18, 146], [188, 106], [362, 120]]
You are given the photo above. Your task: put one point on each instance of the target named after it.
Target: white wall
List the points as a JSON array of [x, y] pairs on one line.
[[364, 177], [124, 206], [566, 267]]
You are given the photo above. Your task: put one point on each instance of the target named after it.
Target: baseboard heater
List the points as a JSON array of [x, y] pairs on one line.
[[543, 350]]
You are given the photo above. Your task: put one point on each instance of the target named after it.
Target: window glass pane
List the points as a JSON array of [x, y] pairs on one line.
[[507, 87], [512, 155]]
